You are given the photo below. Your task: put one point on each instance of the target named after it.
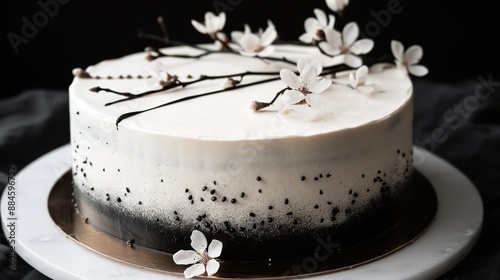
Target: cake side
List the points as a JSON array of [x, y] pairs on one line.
[[257, 181]]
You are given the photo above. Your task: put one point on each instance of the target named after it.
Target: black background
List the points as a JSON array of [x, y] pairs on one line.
[[458, 38]]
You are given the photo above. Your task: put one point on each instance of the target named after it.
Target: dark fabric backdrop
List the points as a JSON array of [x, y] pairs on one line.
[[459, 98]]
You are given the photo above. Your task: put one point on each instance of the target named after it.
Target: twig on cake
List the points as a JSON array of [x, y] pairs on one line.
[[130, 114], [177, 83]]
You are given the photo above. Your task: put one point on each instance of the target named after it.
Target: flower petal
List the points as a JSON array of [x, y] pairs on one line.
[[199, 26], [236, 36], [249, 42], [215, 248], [316, 101], [291, 97], [311, 25], [333, 42], [290, 78], [221, 21], [413, 54], [308, 75], [321, 16], [320, 85], [194, 270], [266, 51], [397, 50], [212, 267], [352, 61], [350, 33], [306, 38], [268, 36], [331, 21], [316, 63], [186, 257], [198, 241], [418, 70], [366, 89], [362, 46]]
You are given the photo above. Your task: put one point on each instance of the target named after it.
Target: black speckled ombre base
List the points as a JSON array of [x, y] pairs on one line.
[[382, 215]]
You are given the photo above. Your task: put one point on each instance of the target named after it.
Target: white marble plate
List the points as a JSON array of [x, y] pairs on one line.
[[43, 245]]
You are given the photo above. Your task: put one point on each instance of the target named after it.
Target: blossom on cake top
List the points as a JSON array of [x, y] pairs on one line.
[[202, 260], [315, 27], [304, 87], [255, 44], [212, 24], [337, 5], [357, 80], [346, 44], [407, 61]]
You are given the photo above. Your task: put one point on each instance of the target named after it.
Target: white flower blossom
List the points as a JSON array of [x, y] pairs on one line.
[[201, 260], [408, 61], [357, 80], [305, 87], [315, 27], [255, 44], [346, 45], [212, 24], [337, 5]]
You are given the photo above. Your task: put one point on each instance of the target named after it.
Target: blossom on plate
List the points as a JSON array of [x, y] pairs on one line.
[[315, 27], [255, 44], [357, 80], [346, 44], [202, 260], [337, 5], [212, 24], [408, 61], [305, 87]]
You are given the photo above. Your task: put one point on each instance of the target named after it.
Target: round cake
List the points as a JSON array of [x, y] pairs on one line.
[[150, 164]]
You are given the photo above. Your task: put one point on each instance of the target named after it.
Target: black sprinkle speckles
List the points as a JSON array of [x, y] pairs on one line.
[[119, 200], [286, 201], [215, 183], [353, 201], [104, 170], [190, 197], [316, 178], [252, 214], [127, 189], [269, 220], [223, 199], [204, 188], [333, 215], [201, 199], [242, 195], [175, 212], [213, 198], [258, 178], [233, 200], [260, 190], [320, 192], [316, 206], [303, 178], [270, 207], [140, 202], [212, 192], [118, 170], [289, 213], [328, 175], [186, 190]]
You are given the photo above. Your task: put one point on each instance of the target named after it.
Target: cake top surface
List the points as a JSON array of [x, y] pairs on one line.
[[227, 114]]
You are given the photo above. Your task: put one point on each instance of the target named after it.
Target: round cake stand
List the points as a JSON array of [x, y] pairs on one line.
[[43, 245]]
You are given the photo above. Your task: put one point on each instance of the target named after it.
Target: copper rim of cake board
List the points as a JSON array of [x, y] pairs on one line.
[[421, 214]]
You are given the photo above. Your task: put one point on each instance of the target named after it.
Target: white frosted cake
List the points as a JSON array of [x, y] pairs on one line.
[[268, 150]]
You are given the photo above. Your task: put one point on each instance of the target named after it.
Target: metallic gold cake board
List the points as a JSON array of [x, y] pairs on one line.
[[421, 215]]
